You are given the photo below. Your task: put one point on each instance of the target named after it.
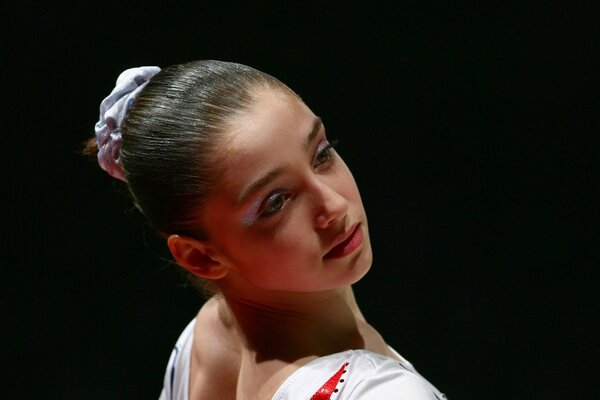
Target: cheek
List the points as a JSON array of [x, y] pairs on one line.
[[293, 244], [282, 244], [293, 234], [347, 185]]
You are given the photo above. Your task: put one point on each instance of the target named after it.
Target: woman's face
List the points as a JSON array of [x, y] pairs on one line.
[[288, 216]]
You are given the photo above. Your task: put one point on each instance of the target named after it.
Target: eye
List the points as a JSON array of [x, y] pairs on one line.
[[275, 202], [324, 152]]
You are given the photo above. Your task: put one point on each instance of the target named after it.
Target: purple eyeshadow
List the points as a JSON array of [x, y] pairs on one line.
[[251, 215], [322, 144]]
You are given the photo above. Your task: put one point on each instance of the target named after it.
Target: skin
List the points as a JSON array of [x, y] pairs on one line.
[[283, 302]]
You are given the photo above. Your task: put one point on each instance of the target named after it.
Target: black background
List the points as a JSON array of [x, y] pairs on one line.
[[468, 131]]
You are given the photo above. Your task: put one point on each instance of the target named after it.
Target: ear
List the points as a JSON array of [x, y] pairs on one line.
[[197, 257]]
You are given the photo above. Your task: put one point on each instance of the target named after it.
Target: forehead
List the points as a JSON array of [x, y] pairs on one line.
[[273, 116], [265, 136]]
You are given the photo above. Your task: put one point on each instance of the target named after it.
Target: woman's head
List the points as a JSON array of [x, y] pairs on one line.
[[237, 171]]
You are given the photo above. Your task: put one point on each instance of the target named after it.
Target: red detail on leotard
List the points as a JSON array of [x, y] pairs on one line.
[[324, 393]]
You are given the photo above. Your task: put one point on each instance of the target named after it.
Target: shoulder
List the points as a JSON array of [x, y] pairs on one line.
[[215, 355], [215, 339], [203, 359], [358, 374], [377, 376]]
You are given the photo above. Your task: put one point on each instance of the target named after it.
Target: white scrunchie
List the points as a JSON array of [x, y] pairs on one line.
[[112, 112]]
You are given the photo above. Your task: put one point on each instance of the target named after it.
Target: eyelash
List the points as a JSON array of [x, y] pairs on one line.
[[327, 151], [279, 195]]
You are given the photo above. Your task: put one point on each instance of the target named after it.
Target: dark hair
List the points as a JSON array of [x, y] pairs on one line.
[[170, 135]]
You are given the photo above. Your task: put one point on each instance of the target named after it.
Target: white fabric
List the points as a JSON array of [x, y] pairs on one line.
[[177, 375], [368, 376]]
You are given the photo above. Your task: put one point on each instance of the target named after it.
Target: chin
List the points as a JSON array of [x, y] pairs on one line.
[[362, 264]]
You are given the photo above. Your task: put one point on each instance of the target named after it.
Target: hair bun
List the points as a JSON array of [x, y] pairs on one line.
[[112, 113]]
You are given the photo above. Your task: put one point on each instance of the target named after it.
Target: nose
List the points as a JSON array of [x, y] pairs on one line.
[[331, 206]]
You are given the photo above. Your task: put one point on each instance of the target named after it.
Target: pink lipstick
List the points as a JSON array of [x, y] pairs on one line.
[[347, 245]]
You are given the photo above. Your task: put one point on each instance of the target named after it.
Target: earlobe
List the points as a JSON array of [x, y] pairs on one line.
[[196, 257]]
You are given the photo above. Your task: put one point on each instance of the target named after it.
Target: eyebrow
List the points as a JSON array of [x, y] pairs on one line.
[[273, 174]]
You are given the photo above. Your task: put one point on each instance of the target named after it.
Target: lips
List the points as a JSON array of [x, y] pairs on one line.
[[346, 244]]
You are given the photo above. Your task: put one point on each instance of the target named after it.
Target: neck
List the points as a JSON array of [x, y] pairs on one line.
[[291, 326]]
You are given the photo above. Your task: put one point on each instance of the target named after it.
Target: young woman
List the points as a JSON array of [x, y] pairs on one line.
[[237, 174]]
